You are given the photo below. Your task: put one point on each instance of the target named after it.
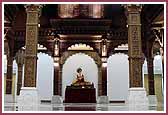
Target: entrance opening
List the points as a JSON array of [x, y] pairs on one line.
[[117, 77], [45, 70]]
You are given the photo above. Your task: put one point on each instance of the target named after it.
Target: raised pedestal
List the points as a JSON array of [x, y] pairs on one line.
[[56, 99], [28, 99], [103, 100], [9, 101], [9, 98], [152, 102], [137, 99], [80, 94]]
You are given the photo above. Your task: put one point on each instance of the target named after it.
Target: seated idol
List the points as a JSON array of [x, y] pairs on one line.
[[80, 76], [80, 81]]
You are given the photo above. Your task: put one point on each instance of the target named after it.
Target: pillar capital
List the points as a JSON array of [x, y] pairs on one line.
[[33, 7], [133, 12], [33, 14], [104, 46], [56, 47], [133, 7]]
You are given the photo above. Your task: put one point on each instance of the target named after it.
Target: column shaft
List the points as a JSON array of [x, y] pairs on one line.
[[151, 82], [19, 79], [100, 92], [56, 80], [31, 45], [9, 75], [134, 45], [104, 81], [57, 77]]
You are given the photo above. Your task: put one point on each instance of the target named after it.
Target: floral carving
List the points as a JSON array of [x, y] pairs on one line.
[[31, 45]]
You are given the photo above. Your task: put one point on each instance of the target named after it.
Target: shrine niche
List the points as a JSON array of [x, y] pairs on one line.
[[91, 54]]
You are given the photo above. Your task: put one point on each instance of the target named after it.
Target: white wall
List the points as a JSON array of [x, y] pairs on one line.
[[157, 66], [45, 71], [157, 63], [88, 66], [117, 73], [118, 77]]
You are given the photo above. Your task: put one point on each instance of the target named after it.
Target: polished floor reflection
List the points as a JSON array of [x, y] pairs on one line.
[[79, 107]]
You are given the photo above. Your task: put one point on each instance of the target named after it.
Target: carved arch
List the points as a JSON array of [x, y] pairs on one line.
[[93, 55]]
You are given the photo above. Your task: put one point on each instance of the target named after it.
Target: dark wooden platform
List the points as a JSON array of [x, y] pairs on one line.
[[80, 95]]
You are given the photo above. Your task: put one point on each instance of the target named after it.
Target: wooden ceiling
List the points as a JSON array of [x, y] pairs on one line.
[[113, 24]]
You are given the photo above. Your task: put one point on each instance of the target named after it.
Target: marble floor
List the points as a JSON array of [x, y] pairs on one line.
[[46, 106]]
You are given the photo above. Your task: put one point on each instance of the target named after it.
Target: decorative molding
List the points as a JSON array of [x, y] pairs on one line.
[[92, 54], [80, 47]]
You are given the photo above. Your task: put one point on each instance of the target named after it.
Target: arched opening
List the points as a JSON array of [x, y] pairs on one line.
[[158, 78], [14, 78], [45, 68], [90, 70], [117, 77], [158, 74]]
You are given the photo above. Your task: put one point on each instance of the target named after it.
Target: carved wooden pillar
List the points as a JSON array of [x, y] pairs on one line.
[[100, 80], [104, 78], [149, 56], [10, 55], [9, 74], [57, 77], [57, 69], [31, 44], [162, 52], [104, 64], [134, 45], [60, 81], [56, 73], [19, 61], [137, 98], [151, 82]]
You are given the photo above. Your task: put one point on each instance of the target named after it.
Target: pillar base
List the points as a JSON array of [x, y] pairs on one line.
[[9, 98], [28, 99], [137, 99], [56, 99], [103, 100], [152, 102]]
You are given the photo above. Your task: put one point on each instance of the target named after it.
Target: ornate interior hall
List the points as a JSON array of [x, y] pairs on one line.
[[84, 57]]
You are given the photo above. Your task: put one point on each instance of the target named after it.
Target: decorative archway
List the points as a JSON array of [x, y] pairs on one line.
[[94, 56], [88, 65], [45, 71], [117, 74]]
